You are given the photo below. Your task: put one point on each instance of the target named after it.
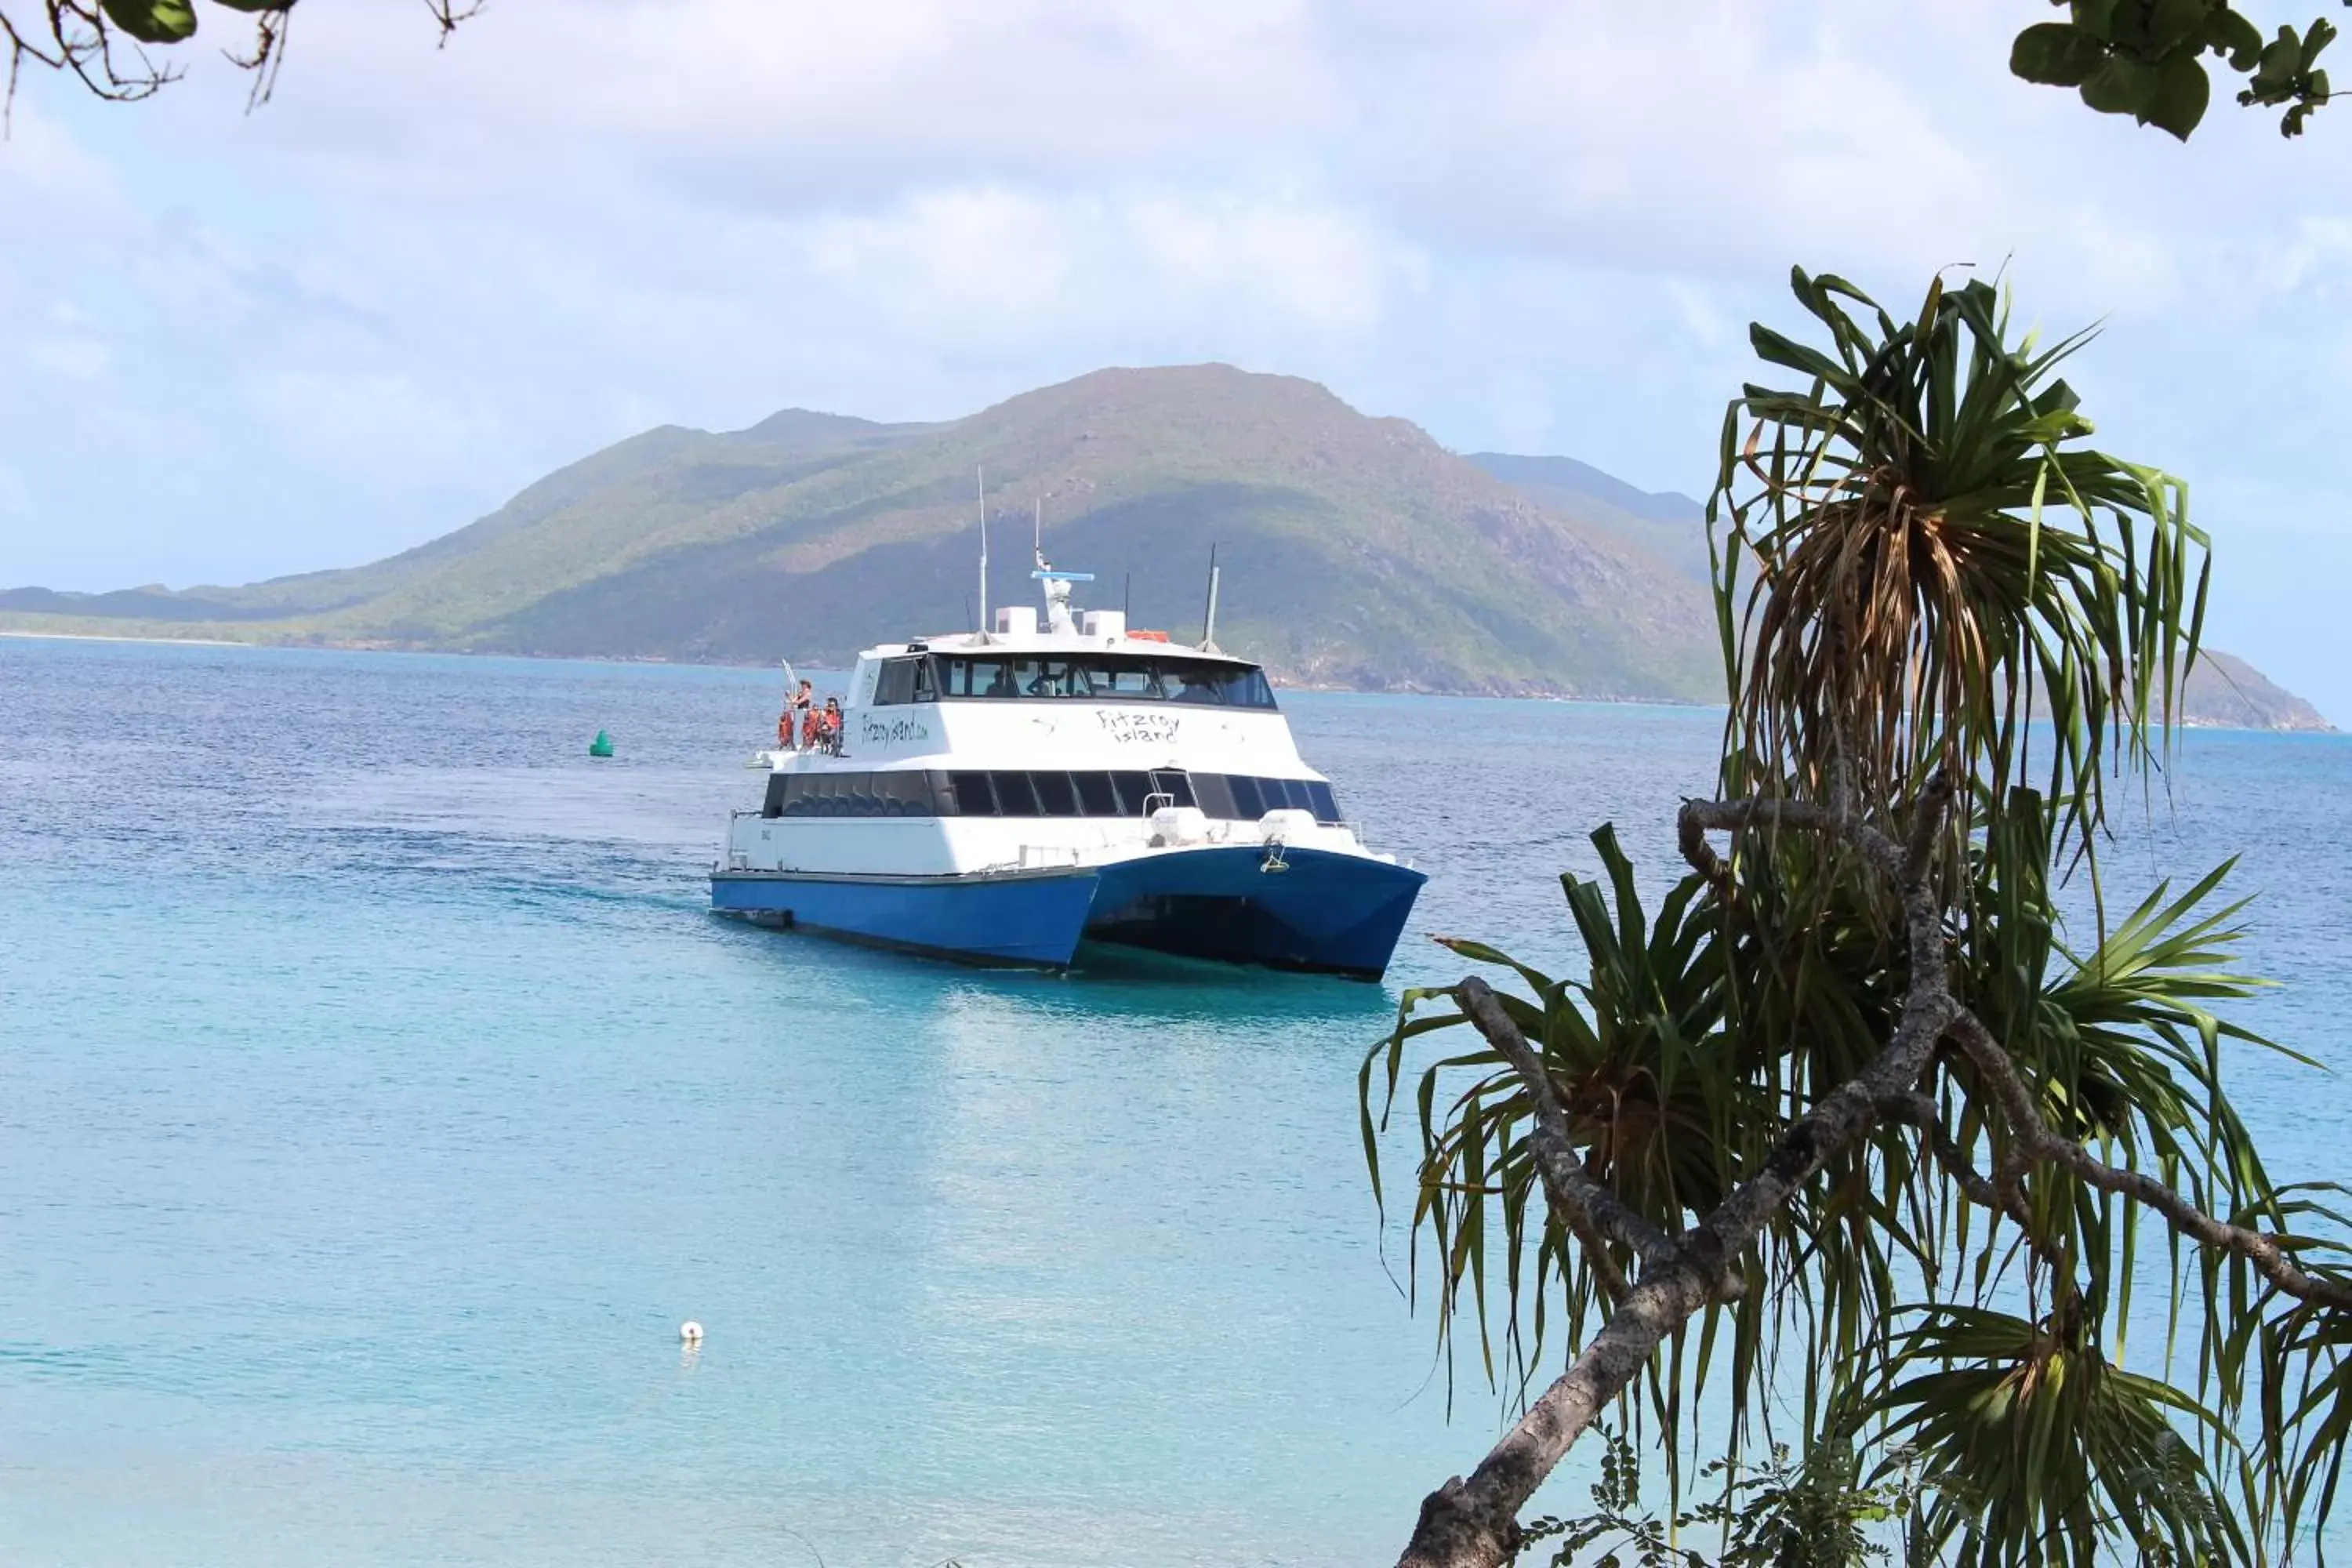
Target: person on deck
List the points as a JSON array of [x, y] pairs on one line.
[[829, 726], [797, 710]]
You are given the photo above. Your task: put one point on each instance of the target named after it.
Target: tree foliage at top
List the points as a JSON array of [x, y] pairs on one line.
[[1853, 1115], [2150, 60], [105, 43], [2147, 58]]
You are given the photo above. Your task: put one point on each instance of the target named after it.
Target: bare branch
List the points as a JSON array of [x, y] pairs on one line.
[[2037, 1144], [1697, 816], [1581, 1200], [1998, 1193], [448, 15]]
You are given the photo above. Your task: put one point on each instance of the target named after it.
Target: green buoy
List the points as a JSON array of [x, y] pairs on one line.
[[602, 746]]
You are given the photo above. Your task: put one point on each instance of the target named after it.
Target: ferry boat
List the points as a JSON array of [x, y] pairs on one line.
[[1001, 797]]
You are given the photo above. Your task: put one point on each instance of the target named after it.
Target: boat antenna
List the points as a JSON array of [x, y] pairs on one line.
[[1039, 546], [1127, 597], [980, 473], [1209, 616]]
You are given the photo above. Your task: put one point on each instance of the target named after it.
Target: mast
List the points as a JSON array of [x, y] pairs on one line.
[[1209, 616], [980, 473]]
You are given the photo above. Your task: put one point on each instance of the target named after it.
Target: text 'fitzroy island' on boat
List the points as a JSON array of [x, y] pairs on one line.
[[999, 796]]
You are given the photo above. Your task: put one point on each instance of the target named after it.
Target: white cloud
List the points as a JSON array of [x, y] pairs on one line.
[[993, 266], [77, 359], [16, 494]]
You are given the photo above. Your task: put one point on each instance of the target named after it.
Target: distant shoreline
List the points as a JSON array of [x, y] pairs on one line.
[[1321, 688], [121, 637]]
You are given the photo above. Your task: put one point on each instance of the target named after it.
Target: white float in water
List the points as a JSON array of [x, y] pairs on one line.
[[690, 1332]]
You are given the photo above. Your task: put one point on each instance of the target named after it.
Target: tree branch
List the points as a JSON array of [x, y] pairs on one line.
[[1582, 1201], [2036, 1143], [1998, 1193]]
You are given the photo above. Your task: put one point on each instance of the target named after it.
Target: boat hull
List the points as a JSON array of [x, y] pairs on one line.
[[1299, 909], [1303, 909], [1029, 919]]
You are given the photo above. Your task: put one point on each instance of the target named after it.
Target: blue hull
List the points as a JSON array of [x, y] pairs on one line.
[[1034, 919], [1334, 914]]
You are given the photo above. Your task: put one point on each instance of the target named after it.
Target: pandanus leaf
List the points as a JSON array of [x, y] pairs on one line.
[[154, 21]]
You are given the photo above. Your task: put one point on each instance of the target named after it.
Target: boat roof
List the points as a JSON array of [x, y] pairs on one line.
[[1050, 642]]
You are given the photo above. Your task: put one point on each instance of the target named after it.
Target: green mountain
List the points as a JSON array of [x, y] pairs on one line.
[[1355, 551], [1665, 523]]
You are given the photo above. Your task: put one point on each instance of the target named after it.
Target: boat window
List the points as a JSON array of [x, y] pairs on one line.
[[906, 791], [972, 796], [895, 684], [925, 689], [1219, 685], [1097, 795], [975, 677], [1214, 794], [1013, 795], [1132, 680], [1055, 796], [1132, 790], [1100, 678]]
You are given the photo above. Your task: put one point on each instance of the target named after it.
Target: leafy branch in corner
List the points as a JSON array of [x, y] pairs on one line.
[[2151, 59], [104, 44]]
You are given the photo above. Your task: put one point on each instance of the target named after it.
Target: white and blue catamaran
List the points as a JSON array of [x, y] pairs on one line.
[[1003, 796]]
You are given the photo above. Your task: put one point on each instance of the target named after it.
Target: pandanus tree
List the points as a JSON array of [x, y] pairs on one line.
[[1856, 1144]]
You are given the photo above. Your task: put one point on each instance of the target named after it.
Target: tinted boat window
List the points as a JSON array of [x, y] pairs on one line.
[[1096, 795], [1013, 795], [1101, 678], [903, 793], [972, 796], [1213, 793], [895, 684], [1055, 796], [1137, 682], [977, 677], [1132, 788]]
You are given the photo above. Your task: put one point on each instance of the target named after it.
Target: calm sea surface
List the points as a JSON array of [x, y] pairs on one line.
[[377, 1097]]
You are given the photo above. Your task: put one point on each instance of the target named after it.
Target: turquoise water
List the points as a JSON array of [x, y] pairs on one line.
[[379, 1097]]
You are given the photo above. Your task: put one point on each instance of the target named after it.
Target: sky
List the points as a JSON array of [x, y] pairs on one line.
[[235, 345]]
